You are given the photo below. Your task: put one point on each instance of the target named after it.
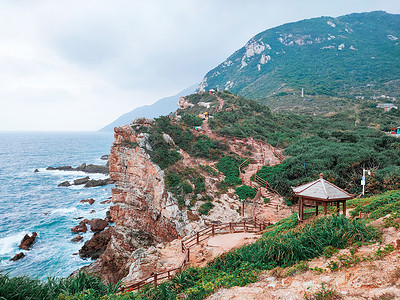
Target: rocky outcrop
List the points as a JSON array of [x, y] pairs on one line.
[[97, 225], [80, 181], [64, 183], [90, 201], [77, 239], [84, 168], [94, 247], [81, 227], [98, 182], [18, 256], [28, 241], [144, 212]]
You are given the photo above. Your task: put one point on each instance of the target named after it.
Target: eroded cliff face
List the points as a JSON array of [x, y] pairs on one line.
[[144, 213]]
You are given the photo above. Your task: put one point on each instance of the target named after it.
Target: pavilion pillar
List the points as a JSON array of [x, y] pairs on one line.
[[325, 207], [338, 207], [316, 208], [344, 207], [301, 208]]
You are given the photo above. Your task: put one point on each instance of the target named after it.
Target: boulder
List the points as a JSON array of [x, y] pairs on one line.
[[94, 247], [103, 169], [108, 216], [28, 241], [63, 168], [77, 239], [65, 183], [36, 170], [81, 227], [97, 225], [83, 180], [93, 168], [99, 182], [90, 201], [18, 256]]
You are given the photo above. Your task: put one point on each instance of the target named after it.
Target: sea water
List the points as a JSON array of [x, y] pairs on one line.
[[32, 201]]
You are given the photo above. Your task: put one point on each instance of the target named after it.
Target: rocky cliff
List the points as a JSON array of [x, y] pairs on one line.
[[144, 213]]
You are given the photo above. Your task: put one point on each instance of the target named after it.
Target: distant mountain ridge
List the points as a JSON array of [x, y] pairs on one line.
[[351, 55], [163, 106]]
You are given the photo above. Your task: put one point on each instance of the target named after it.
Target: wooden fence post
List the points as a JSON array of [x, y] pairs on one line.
[[155, 279], [243, 209], [244, 226], [169, 275], [212, 229], [188, 255], [182, 247], [197, 238], [230, 227]]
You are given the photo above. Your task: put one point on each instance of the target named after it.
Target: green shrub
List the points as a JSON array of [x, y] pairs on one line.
[[205, 208], [244, 192], [191, 120]]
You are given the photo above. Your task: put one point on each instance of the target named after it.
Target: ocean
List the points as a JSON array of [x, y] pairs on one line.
[[33, 202]]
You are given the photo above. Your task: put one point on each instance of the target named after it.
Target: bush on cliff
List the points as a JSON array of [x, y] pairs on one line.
[[191, 120]]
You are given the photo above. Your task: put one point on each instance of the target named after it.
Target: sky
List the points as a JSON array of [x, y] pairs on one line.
[[77, 65]]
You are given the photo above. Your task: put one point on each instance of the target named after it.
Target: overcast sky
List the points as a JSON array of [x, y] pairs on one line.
[[78, 65]]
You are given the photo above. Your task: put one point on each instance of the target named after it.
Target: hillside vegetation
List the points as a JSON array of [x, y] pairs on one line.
[[339, 145], [351, 55]]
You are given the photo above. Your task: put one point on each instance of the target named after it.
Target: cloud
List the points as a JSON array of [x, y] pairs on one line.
[[78, 65]]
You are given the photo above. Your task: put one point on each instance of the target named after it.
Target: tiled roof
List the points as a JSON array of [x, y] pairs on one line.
[[321, 189]]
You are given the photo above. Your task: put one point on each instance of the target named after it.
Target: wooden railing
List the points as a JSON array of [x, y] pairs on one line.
[[247, 225]]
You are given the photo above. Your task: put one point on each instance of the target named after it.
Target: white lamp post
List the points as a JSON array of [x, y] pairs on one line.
[[363, 181]]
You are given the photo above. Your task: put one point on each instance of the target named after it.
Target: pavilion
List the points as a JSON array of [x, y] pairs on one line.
[[320, 192]]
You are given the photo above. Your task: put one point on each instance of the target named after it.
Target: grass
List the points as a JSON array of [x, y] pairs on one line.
[[23, 287], [377, 206], [283, 245]]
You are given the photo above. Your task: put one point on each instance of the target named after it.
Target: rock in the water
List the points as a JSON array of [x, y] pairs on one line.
[[105, 201], [65, 183], [36, 170], [104, 157], [63, 168], [99, 182], [28, 241], [97, 225], [108, 216], [103, 169], [18, 256], [83, 180], [90, 201], [94, 247], [81, 227], [77, 239]]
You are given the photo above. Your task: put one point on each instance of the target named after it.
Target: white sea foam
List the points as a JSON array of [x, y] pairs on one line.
[[64, 211], [9, 243], [72, 174]]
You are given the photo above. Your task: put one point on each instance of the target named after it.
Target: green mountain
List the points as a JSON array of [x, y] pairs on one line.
[[349, 56]]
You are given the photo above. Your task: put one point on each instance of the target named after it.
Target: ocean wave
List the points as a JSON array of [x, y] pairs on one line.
[[71, 174], [64, 211], [9, 243]]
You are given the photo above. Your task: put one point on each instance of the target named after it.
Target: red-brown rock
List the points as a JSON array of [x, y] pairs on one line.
[[90, 201], [94, 247], [18, 256], [81, 227], [97, 225], [28, 241], [77, 239]]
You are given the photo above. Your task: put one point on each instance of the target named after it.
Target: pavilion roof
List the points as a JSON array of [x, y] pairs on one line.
[[321, 190]]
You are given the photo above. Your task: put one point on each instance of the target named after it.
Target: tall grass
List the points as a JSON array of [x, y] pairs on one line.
[[23, 287]]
